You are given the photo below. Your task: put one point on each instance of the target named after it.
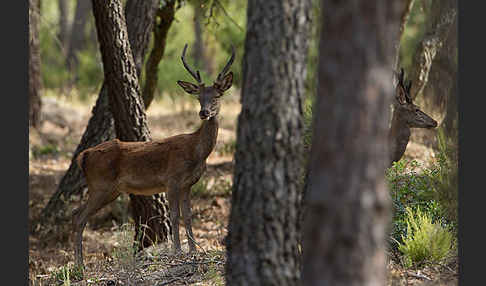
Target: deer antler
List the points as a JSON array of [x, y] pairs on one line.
[[196, 74], [226, 67]]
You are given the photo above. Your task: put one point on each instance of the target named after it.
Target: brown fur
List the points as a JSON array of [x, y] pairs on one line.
[[171, 165], [406, 115]]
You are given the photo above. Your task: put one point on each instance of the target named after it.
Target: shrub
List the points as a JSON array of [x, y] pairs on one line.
[[425, 241], [410, 189]]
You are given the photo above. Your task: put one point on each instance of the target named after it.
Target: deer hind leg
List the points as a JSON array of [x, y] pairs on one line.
[[97, 200], [173, 195], [187, 215]]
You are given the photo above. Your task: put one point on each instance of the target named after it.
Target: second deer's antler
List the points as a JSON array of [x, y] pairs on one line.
[[196, 74]]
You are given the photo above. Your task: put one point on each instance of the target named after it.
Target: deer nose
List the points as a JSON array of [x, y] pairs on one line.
[[204, 114]]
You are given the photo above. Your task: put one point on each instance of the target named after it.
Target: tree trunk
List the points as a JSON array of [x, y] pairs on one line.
[[263, 236], [100, 129], [35, 83], [161, 29], [348, 205], [63, 25], [441, 15], [403, 23], [120, 72], [78, 33], [441, 88], [199, 51]]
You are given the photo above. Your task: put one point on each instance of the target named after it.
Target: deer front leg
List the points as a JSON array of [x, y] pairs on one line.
[[187, 216], [174, 218]]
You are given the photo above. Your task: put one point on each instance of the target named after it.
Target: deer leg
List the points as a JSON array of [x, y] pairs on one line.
[[173, 195], [96, 201], [187, 216]]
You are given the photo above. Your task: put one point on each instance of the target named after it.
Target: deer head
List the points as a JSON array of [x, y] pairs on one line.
[[208, 96], [406, 110]]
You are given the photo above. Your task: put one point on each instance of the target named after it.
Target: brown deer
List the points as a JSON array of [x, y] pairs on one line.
[[406, 115], [170, 165]]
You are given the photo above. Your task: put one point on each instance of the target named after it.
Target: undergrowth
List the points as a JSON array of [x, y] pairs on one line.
[[424, 200], [425, 241]]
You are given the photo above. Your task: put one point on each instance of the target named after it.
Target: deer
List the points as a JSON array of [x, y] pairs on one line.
[[406, 115], [171, 165]]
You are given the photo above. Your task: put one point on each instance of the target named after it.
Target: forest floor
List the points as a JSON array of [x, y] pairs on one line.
[[108, 234]]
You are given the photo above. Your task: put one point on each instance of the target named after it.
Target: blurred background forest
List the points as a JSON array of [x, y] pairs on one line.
[[423, 185]]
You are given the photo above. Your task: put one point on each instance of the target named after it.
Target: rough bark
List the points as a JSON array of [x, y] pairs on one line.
[[441, 18], [35, 83], [263, 237], [160, 30], [100, 128], [348, 205], [126, 104], [78, 33]]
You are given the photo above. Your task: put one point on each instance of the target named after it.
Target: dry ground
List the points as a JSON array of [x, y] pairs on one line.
[[108, 234]]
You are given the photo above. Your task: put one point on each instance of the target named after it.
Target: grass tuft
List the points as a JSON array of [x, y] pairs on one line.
[[425, 241]]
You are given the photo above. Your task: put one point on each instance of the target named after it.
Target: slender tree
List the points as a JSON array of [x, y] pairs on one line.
[[347, 201], [78, 34], [263, 237], [63, 24], [35, 83], [100, 128], [162, 22]]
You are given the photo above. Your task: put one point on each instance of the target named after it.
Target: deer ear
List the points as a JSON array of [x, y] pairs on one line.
[[189, 87], [400, 95], [225, 82]]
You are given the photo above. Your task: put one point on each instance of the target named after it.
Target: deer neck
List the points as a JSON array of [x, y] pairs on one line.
[[399, 136], [207, 135]]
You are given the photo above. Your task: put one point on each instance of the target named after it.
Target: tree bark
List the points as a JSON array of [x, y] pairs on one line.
[[160, 29], [263, 236], [348, 206], [78, 34], [35, 83], [441, 15], [441, 90], [100, 128]]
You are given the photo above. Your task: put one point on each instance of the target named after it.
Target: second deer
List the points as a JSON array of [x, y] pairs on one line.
[[406, 115], [171, 165]]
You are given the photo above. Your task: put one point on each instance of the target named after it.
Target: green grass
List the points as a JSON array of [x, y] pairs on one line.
[[48, 149], [66, 273], [425, 241]]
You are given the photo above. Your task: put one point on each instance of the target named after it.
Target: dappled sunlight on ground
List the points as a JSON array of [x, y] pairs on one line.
[[52, 147]]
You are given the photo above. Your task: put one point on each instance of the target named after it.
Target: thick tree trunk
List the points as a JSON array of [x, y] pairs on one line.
[[35, 83], [347, 201], [78, 33], [161, 29], [100, 128], [263, 236], [120, 72]]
